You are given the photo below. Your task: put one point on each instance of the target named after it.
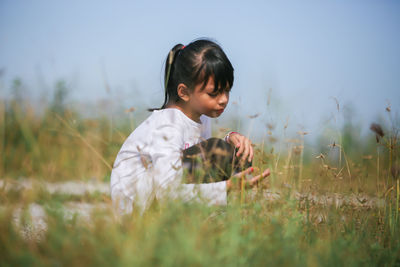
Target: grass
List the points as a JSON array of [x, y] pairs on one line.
[[256, 233], [61, 145]]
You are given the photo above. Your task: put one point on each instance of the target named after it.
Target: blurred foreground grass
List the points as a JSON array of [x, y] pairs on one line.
[[61, 145], [257, 232]]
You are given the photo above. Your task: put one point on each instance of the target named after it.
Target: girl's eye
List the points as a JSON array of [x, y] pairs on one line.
[[213, 94]]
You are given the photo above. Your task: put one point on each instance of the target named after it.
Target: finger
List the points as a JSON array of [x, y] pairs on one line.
[[266, 172], [246, 150], [259, 177], [237, 145], [251, 153], [241, 148], [246, 171]]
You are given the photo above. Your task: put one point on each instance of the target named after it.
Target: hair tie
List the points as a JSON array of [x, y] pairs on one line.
[[183, 47]]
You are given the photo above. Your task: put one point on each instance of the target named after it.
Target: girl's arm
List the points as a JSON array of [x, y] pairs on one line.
[[166, 156]]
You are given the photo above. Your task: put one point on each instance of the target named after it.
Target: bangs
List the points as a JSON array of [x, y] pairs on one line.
[[218, 68]]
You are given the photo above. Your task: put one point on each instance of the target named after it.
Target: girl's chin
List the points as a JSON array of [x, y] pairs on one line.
[[215, 114]]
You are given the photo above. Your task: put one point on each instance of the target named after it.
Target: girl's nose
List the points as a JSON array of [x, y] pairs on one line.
[[224, 98]]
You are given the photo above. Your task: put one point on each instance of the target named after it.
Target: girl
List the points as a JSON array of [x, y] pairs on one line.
[[152, 161]]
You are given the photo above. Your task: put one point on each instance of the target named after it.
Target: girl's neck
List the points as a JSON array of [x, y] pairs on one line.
[[187, 111]]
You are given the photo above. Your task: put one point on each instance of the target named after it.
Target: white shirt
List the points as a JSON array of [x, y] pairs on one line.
[[149, 164]]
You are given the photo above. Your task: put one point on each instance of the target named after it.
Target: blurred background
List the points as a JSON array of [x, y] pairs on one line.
[[301, 66], [305, 52]]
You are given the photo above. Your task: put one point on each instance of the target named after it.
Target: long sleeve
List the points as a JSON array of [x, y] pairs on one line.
[[130, 180], [166, 154]]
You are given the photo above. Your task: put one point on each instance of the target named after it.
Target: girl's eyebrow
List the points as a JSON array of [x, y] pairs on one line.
[[211, 88], [221, 89]]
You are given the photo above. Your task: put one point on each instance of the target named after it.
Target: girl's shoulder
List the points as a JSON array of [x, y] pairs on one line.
[[166, 115], [165, 122], [162, 116], [175, 117]]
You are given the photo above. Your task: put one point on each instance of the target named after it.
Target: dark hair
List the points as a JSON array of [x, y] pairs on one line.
[[196, 63]]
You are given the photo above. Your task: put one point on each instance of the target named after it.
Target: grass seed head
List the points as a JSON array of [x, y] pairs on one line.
[[377, 129], [254, 116], [129, 110], [388, 108], [395, 170], [270, 126]]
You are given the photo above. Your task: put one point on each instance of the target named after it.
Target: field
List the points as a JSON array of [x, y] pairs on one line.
[[335, 204]]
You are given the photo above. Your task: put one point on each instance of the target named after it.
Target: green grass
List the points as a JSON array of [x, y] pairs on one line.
[[256, 233]]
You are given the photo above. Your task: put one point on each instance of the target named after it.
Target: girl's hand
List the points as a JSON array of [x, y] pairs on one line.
[[243, 144], [235, 181]]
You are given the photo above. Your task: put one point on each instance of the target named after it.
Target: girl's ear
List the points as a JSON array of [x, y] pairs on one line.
[[183, 92]]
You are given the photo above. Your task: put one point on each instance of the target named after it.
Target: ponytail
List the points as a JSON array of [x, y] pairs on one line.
[[169, 67], [169, 63]]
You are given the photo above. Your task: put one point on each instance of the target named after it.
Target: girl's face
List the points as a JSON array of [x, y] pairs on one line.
[[206, 101]]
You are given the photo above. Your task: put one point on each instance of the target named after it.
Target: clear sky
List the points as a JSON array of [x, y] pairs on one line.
[[305, 51]]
